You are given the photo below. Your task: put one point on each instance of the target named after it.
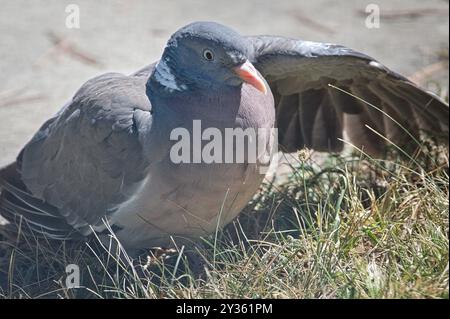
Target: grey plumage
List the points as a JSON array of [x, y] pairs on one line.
[[301, 72], [105, 155], [75, 162]]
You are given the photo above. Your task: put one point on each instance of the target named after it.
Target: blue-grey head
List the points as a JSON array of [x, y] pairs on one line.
[[206, 55]]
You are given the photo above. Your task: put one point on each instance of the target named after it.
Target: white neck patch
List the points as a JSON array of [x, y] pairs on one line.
[[166, 77]]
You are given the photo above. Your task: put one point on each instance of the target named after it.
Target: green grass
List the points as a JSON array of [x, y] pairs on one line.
[[350, 227]]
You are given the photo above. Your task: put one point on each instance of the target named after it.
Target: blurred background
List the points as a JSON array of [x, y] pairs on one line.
[[43, 63]]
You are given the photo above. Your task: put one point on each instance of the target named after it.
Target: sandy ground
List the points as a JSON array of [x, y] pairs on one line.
[[38, 77]]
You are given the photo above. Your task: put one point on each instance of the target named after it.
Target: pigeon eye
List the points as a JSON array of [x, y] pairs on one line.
[[208, 55]]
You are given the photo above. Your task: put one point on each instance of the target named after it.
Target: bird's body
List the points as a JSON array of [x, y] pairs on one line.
[[164, 201], [107, 155], [189, 200]]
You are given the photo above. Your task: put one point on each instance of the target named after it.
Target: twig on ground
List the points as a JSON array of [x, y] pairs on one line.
[[307, 21], [64, 46], [20, 100], [424, 74], [408, 13]]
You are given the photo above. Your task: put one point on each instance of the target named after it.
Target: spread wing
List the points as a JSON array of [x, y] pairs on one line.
[[84, 162], [313, 84]]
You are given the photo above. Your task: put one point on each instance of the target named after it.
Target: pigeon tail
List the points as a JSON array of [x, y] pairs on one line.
[[19, 207]]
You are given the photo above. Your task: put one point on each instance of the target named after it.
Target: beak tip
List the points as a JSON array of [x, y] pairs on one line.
[[264, 90], [248, 74]]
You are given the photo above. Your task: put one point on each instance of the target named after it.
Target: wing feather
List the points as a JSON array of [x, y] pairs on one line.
[[309, 70], [84, 162]]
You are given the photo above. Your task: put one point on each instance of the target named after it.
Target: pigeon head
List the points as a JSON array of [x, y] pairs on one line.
[[206, 55]]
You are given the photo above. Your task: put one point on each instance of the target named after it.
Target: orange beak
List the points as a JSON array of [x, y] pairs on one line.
[[248, 74]]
